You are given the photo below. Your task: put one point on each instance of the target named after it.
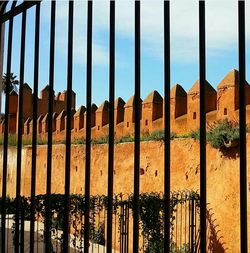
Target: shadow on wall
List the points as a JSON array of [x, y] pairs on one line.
[[214, 240], [230, 153]]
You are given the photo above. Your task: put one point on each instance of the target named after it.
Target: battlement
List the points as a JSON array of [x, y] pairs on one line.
[[184, 110]]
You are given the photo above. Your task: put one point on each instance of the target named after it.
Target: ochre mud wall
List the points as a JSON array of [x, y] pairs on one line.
[[222, 177]]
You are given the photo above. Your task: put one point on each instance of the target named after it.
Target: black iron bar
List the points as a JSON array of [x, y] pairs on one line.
[[50, 129], [185, 222], [115, 230], [22, 240], [167, 126], [137, 115], [88, 128], [195, 225], [181, 224], [127, 231], [192, 226], [6, 131], [20, 133], [8, 235], [111, 126], [189, 224], [104, 223], [34, 129], [176, 224], [121, 231], [68, 130], [202, 73], [37, 235], [242, 120], [17, 10]]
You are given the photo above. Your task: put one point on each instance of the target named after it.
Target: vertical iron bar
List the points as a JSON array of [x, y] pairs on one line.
[[68, 129], [176, 224], [242, 119], [104, 223], [167, 126], [195, 226], [98, 222], [115, 231], [20, 132], [37, 237], [6, 131], [192, 226], [120, 221], [202, 73], [127, 230], [2, 33], [50, 129], [88, 128], [137, 112], [34, 130], [189, 224], [8, 234], [185, 222], [111, 125], [22, 240], [81, 215], [181, 225]]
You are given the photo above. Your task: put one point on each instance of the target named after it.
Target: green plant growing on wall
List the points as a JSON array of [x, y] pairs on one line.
[[185, 248], [195, 134], [224, 134], [158, 135], [151, 221], [97, 235], [123, 139]]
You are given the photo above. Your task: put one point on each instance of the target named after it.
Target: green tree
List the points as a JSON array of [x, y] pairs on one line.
[[13, 82]]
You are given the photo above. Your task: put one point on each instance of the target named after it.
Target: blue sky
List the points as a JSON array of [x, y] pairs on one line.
[[221, 19]]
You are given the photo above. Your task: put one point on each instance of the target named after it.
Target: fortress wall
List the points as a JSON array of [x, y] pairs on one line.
[[184, 111], [222, 176]]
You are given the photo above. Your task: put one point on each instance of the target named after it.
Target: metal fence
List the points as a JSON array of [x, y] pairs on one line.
[[21, 9], [184, 212]]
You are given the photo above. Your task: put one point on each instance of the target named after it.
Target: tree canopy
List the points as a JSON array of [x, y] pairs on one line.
[[13, 82]]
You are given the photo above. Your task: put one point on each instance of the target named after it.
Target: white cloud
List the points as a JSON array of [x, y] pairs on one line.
[[221, 27], [100, 52]]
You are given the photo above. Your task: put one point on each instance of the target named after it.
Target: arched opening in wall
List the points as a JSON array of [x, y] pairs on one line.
[[98, 128], [142, 172], [194, 115], [225, 111], [156, 173], [146, 122], [101, 172], [127, 124]]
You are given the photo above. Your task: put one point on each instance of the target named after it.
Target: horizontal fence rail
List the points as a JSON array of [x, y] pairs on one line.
[[169, 222]]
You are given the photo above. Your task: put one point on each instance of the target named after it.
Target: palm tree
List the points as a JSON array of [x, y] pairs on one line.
[[13, 83]]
